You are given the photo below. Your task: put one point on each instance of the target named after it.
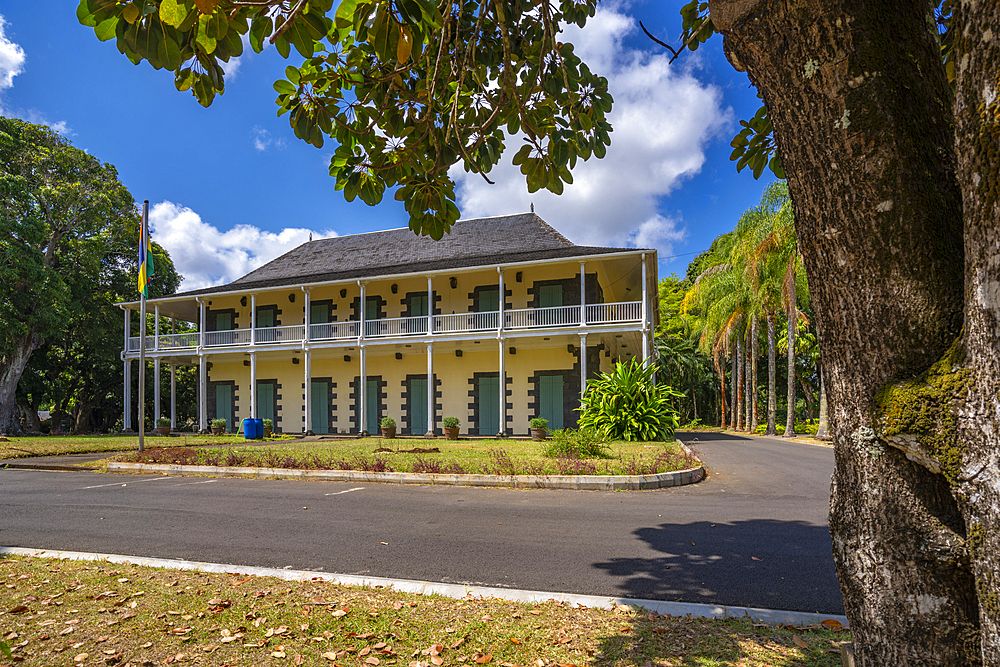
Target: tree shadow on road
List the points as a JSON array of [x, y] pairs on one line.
[[706, 436], [764, 563]]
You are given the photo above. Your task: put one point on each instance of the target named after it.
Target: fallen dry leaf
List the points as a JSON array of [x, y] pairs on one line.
[[799, 642], [437, 660], [365, 651], [81, 657], [372, 660], [482, 658], [299, 659], [832, 624]]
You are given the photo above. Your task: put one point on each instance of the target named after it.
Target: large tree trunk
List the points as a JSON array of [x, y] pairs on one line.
[[975, 479], [720, 371], [861, 110], [11, 367], [772, 393], [748, 393]]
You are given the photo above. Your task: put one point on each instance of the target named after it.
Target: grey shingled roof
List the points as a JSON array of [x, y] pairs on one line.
[[478, 242]]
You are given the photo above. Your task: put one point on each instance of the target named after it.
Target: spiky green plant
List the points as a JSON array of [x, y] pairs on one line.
[[626, 405]]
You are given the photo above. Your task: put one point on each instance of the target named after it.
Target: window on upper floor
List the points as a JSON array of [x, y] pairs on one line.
[[487, 299]]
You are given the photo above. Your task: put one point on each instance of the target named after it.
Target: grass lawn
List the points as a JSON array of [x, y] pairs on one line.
[[92, 613], [497, 457], [50, 445]]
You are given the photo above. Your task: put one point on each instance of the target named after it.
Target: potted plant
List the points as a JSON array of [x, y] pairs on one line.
[[388, 425], [163, 426], [268, 428], [539, 428], [451, 425], [218, 426]]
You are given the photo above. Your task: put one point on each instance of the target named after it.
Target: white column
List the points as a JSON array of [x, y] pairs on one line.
[[127, 402], [430, 306], [307, 428], [173, 396], [253, 333], [156, 389], [306, 319], [583, 293], [645, 315], [430, 390], [503, 390], [127, 393], [202, 393], [500, 314], [253, 385], [583, 365], [362, 386], [201, 324], [156, 329], [361, 311]]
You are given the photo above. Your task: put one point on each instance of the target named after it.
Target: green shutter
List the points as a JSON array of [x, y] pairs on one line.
[[319, 395], [488, 300], [265, 317], [489, 406], [550, 296], [418, 305], [224, 404], [223, 321], [372, 417], [319, 313], [550, 399], [418, 406], [265, 401], [371, 308]]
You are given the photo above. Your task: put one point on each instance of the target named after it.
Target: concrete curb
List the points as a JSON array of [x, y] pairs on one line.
[[769, 616], [575, 482]]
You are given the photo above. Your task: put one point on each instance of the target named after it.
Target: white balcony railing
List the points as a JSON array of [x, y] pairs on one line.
[[530, 318], [396, 326], [526, 318], [231, 337], [334, 331], [286, 334], [466, 322]]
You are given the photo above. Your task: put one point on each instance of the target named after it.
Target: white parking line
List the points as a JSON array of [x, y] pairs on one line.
[[357, 488], [97, 486], [207, 481]]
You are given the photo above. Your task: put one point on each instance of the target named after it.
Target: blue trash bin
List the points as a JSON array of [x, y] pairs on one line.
[[258, 426], [250, 429]]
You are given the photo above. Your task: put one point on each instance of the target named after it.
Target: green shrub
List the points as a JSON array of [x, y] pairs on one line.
[[451, 422], [267, 423], [163, 421], [539, 422], [218, 423], [582, 444], [388, 422], [626, 405]]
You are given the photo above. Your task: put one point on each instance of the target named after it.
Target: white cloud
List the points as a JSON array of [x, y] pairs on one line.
[[662, 118], [231, 68], [262, 140], [11, 58], [204, 255]]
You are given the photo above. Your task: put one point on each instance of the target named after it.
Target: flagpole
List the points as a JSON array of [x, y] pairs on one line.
[[144, 238]]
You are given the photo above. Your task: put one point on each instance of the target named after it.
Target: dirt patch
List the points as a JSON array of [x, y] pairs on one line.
[[181, 455]]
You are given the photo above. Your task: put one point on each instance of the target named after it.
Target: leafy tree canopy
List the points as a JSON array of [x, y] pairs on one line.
[[406, 88]]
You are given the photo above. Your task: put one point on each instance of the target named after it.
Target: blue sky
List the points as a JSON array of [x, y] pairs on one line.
[[230, 187]]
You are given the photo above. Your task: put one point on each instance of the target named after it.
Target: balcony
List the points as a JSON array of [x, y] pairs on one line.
[[629, 312]]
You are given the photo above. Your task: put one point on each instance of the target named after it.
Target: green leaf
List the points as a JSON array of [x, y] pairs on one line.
[[345, 13], [106, 29], [283, 87], [172, 12]]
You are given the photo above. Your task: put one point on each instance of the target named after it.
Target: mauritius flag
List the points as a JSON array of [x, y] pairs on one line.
[[145, 261]]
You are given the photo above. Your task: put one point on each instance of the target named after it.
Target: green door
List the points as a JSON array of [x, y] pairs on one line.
[[489, 406], [265, 401], [319, 393], [550, 399], [224, 404], [265, 318], [418, 406], [223, 321], [371, 308], [550, 296], [418, 305], [371, 406]]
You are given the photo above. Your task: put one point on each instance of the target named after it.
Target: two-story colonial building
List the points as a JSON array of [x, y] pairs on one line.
[[502, 320]]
